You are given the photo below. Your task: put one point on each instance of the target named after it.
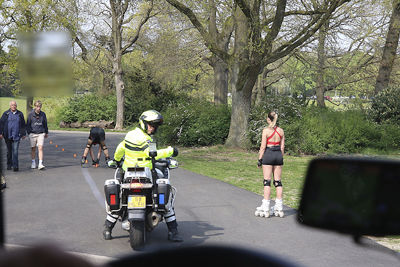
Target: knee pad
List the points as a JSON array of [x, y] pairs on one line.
[[267, 182], [278, 183], [89, 143]]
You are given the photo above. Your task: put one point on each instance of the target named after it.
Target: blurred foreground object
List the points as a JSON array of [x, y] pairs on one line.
[[3, 182], [45, 64], [358, 196], [41, 255]]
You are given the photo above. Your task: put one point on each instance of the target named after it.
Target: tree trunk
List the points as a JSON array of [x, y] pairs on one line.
[[29, 105], [255, 94], [320, 79], [106, 85], [244, 76], [220, 67], [389, 51], [242, 86], [261, 88], [119, 86], [220, 81]]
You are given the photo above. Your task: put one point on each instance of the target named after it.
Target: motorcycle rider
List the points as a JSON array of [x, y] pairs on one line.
[[135, 149]]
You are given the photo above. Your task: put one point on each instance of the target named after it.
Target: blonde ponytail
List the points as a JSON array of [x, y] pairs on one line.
[[273, 117]]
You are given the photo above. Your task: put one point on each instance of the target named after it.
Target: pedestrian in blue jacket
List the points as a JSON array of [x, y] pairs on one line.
[[12, 128]]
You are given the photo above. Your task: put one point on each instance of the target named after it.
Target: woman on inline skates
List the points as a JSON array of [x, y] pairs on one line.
[[270, 157]]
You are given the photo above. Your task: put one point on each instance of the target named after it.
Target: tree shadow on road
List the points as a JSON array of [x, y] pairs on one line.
[[193, 232], [289, 211], [197, 232]]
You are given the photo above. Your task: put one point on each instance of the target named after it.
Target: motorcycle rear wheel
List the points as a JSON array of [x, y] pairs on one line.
[[137, 234]]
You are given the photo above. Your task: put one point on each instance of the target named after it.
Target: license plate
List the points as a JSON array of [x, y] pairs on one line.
[[135, 202]]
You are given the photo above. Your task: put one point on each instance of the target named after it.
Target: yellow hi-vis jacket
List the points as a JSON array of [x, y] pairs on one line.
[[135, 147]]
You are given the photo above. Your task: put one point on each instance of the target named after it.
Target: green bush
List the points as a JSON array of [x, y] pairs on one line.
[[89, 107], [335, 131], [388, 137], [385, 107], [321, 131], [195, 123]]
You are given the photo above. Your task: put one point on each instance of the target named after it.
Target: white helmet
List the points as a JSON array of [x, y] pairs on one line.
[[152, 117]]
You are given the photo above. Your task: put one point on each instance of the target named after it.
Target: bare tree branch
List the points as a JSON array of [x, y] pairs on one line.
[[277, 23], [125, 50], [83, 48], [306, 33], [210, 43], [245, 9]]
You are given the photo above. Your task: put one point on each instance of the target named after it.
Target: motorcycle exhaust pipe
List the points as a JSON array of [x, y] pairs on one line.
[[154, 219]]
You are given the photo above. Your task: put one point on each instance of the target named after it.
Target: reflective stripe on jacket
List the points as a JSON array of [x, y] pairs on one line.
[[135, 148]]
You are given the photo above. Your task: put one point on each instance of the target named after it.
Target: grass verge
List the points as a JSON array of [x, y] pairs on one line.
[[239, 168]]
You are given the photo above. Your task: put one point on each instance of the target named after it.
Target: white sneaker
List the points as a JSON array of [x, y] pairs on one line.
[[41, 166], [33, 166]]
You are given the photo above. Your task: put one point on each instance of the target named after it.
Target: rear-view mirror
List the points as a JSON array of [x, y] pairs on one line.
[[358, 196]]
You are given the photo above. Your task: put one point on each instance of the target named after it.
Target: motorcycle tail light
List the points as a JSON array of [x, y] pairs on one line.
[[112, 199], [137, 190]]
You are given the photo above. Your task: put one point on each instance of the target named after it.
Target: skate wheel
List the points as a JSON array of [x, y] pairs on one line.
[[97, 165]]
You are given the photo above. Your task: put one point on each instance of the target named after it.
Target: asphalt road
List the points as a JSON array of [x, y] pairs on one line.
[[65, 204]]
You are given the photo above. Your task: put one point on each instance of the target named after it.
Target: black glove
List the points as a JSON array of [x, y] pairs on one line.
[[259, 163], [175, 152]]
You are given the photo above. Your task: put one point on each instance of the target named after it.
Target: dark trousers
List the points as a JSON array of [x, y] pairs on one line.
[[12, 153]]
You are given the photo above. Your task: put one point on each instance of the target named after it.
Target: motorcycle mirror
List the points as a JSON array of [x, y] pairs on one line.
[[357, 196], [173, 164], [153, 148]]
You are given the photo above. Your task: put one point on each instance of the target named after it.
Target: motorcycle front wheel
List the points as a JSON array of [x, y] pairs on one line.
[[137, 234]]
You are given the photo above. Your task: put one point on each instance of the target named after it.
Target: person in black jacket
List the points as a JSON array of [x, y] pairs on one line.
[[12, 128], [37, 130]]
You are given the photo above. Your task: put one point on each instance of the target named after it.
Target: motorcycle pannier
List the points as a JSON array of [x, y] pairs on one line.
[[112, 195], [163, 195]]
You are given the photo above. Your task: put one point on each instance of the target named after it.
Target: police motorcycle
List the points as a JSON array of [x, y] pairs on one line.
[[142, 196]]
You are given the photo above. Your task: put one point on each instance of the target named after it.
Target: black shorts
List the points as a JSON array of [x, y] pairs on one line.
[[97, 135], [273, 156]]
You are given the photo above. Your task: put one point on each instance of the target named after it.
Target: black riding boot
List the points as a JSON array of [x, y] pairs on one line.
[[173, 234], [108, 226]]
